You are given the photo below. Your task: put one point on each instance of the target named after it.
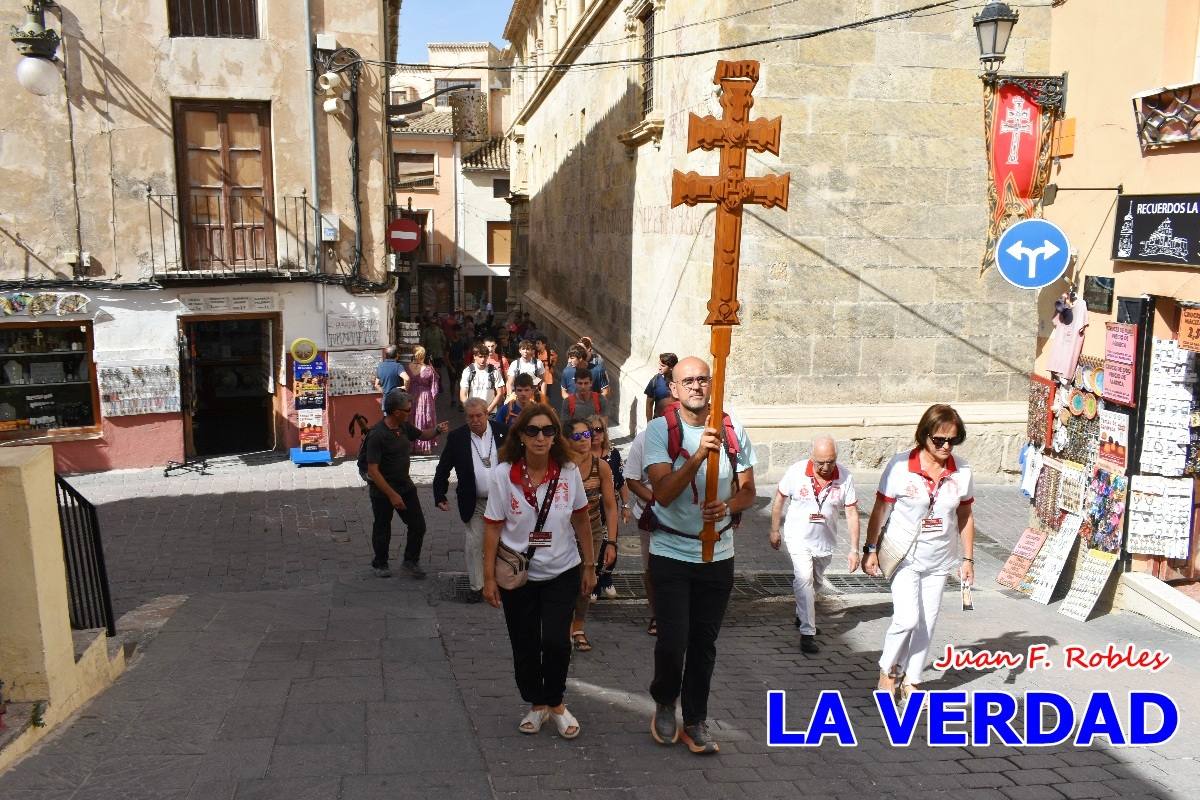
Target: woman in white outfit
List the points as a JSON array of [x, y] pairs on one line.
[[928, 492]]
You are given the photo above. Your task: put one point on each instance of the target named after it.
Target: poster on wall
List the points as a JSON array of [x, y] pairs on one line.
[[1091, 576], [308, 383], [1120, 356], [1189, 329], [1114, 438], [359, 328]]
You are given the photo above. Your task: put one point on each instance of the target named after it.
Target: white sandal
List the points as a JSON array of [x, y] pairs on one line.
[[533, 721], [564, 722]]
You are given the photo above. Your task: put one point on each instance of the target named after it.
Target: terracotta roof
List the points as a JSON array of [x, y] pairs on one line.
[[433, 123], [492, 156]]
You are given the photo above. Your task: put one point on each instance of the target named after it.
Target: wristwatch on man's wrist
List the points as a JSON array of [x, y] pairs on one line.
[[870, 548]]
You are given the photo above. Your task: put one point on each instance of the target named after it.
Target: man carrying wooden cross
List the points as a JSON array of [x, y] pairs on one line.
[[690, 594]]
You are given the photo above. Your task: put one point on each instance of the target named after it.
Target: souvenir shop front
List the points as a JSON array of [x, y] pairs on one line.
[[1114, 418]]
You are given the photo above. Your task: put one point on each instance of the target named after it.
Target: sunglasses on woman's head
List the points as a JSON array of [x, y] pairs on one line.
[[579, 436], [942, 441], [549, 431]]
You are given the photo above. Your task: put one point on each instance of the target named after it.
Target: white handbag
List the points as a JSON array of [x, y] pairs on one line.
[[894, 547]]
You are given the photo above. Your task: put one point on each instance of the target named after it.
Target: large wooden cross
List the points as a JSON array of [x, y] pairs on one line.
[[730, 189]]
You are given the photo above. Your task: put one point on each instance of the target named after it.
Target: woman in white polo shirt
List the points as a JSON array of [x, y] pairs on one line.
[[533, 463], [928, 492]]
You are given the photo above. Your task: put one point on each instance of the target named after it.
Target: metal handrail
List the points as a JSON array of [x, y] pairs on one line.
[[89, 599]]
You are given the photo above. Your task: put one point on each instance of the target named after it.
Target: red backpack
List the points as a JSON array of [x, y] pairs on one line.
[[571, 403], [675, 450]]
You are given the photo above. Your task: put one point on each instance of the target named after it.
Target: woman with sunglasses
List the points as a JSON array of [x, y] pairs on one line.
[[929, 493], [598, 485], [602, 448], [533, 463]]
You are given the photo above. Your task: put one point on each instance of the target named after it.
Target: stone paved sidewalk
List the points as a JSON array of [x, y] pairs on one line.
[[291, 673]]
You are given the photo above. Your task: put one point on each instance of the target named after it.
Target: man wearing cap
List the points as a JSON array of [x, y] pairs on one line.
[[386, 452], [815, 491]]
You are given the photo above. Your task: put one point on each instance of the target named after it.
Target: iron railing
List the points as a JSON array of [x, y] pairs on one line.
[[213, 235], [225, 19], [87, 579]]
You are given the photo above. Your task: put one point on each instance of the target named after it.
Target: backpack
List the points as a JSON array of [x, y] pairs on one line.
[[362, 453], [571, 403], [491, 368], [675, 449]]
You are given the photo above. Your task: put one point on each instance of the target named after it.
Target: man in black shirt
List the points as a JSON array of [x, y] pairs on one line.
[[387, 451]]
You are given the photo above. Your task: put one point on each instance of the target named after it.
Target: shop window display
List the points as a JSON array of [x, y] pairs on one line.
[[47, 380]]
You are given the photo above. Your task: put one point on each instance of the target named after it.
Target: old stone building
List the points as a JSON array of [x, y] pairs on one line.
[[160, 246], [863, 302]]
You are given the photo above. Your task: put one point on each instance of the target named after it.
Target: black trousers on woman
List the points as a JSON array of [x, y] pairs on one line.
[[538, 616]]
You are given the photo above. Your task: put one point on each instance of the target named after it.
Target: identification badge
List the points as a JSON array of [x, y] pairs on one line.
[[540, 538], [816, 519], [931, 525]]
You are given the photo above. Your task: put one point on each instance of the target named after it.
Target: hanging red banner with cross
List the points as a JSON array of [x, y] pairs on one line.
[[1019, 117]]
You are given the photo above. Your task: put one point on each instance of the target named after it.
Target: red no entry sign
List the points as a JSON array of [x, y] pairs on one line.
[[403, 235]]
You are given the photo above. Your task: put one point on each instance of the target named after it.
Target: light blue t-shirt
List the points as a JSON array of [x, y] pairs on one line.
[[684, 514]]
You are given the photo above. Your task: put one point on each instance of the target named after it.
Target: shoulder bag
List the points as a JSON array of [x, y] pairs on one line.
[[512, 566], [894, 547]]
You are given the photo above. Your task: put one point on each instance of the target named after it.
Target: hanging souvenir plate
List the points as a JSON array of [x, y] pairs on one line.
[[20, 301], [1091, 406], [1078, 377], [72, 303], [1076, 402], [1098, 381], [42, 303], [1087, 384]]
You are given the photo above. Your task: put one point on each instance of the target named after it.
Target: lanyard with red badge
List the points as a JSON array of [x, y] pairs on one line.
[[539, 537], [820, 496], [932, 524]]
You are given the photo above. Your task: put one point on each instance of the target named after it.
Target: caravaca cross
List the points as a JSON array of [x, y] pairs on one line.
[[730, 189]]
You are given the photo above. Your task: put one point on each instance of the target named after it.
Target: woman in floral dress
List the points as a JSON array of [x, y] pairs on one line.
[[423, 386]]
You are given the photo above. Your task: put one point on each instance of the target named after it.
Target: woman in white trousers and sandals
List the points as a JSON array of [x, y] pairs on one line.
[[925, 496]]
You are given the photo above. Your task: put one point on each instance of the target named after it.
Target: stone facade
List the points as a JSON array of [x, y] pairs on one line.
[[863, 302]]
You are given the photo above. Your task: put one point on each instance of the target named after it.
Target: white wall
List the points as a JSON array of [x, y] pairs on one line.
[[479, 208]]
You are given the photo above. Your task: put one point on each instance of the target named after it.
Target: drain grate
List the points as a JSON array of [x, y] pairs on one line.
[[746, 585]]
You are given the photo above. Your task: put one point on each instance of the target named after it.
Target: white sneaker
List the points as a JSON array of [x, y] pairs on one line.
[[610, 591]]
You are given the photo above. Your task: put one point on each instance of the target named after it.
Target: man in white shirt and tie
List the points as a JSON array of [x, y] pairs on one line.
[[814, 491], [471, 452]]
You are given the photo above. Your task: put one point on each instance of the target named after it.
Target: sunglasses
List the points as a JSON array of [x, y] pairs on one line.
[[942, 441], [548, 431], [597, 430], [579, 436]]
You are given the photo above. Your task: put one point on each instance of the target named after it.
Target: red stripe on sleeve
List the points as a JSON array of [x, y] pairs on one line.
[[884, 497]]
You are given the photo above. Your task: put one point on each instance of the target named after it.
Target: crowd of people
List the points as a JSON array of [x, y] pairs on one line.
[[544, 497]]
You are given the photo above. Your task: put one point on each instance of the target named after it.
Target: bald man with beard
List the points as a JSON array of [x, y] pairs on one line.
[[691, 595]]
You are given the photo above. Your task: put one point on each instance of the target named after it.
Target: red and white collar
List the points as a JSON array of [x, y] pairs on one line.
[[914, 464], [517, 476]]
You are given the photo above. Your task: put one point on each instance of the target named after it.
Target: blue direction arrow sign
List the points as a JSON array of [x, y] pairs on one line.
[[1033, 253]]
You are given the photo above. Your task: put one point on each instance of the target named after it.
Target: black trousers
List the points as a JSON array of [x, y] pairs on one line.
[[689, 602], [381, 531], [538, 616]]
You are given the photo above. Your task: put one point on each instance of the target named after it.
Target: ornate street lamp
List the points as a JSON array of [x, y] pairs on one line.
[[38, 71], [993, 26]]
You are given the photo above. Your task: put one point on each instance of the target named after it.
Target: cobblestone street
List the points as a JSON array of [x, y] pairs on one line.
[[290, 672]]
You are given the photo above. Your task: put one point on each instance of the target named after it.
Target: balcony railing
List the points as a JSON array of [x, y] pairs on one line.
[[213, 236]]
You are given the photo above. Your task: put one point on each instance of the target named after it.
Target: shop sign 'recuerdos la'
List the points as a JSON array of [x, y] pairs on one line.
[[1158, 229]]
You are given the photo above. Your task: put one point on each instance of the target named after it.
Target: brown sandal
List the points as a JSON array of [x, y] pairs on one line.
[[580, 640], [652, 628]]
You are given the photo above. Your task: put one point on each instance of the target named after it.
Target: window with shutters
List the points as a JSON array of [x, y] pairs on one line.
[[218, 19], [223, 164], [499, 236], [414, 171]]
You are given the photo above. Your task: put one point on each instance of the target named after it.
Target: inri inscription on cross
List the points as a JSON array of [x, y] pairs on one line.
[[730, 189]]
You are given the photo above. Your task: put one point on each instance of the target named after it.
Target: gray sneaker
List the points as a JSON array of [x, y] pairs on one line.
[[413, 569], [381, 572], [663, 726], [697, 739]]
